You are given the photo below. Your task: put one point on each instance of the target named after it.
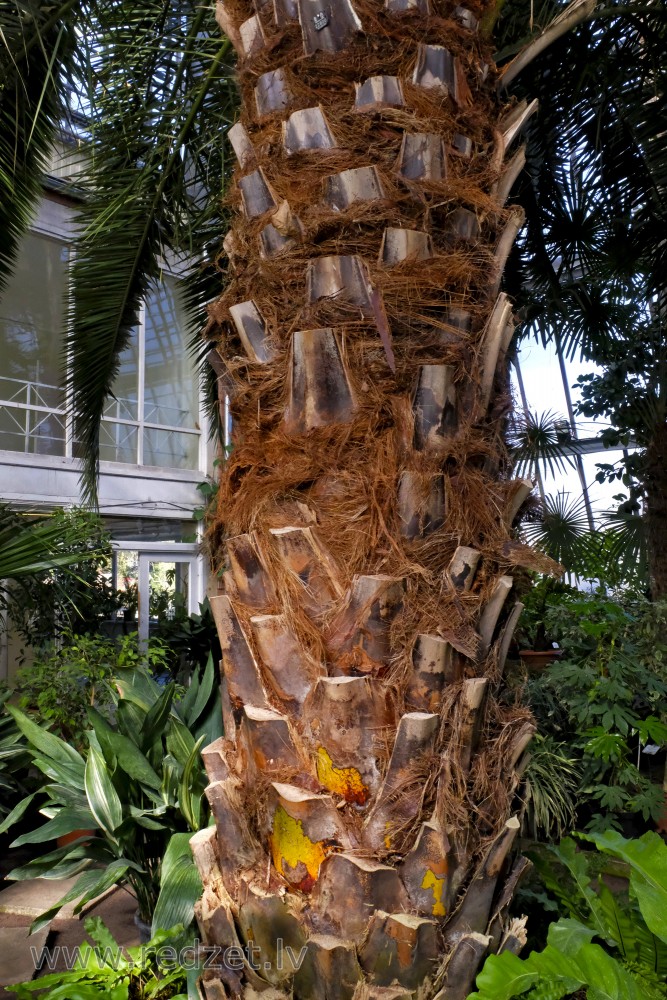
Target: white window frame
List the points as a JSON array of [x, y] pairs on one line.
[[178, 552]]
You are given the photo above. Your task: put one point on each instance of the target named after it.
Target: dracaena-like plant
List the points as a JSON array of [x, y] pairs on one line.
[[136, 786]]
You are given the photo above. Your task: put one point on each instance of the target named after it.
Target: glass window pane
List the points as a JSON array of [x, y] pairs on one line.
[[32, 322], [118, 443], [126, 579], [171, 391], [168, 584], [32, 318], [171, 449], [47, 433], [13, 429], [145, 529], [126, 386], [541, 378]]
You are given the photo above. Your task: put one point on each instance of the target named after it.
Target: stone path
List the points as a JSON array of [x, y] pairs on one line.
[[21, 902]]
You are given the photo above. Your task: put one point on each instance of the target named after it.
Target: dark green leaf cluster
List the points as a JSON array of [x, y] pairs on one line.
[[158, 100], [611, 945], [37, 66], [606, 699], [589, 272], [139, 782]]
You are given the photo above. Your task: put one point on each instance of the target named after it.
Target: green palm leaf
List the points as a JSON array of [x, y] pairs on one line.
[[37, 59], [159, 95]]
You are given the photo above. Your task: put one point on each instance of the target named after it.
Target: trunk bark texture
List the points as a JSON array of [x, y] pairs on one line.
[[365, 792], [656, 511]]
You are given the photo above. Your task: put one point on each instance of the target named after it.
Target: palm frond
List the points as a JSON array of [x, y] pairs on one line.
[[159, 99], [30, 545], [625, 544], [37, 60], [542, 440], [561, 531]]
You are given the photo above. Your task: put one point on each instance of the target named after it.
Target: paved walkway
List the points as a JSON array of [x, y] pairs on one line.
[[21, 902]]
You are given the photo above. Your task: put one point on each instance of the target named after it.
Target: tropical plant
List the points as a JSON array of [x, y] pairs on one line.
[[31, 545], [107, 970], [544, 591], [538, 442], [190, 639], [628, 961], [77, 595], [363, 343], [13, 758], [589, 272], [553, 780], [64, 680], [146, 89], [605, 699], [139, 782]]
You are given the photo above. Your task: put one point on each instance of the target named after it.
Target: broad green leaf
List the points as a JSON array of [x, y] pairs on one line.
[[132, 761], [182, 707], [131, 720], [17, 812], [66, 795], [157, 716], [65, 821], [180, 741], [90, 884], [505, 976], [204, 690], [210, 723], [605, 977], [569, 936], [647, 858], [180, 885], [103, 799], [138, 687], [49, 746], [57, 772], [189, 798], [61, 863]]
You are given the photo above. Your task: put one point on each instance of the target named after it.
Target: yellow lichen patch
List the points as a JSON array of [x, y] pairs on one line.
[[345, 781], [291, 849], [437, 886]]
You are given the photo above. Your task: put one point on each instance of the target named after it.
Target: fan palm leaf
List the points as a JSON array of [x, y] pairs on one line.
[[542, 441], [562, 531]]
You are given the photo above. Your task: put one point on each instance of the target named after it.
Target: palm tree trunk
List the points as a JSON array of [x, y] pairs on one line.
[[365, 792], [656, 511]]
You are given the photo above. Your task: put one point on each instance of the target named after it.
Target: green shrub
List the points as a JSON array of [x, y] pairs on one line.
[[605, 699], [137, 784], [612, 947], [74, 673]]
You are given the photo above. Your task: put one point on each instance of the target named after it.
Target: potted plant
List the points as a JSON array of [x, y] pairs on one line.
[[536, 645], [137, 783]]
